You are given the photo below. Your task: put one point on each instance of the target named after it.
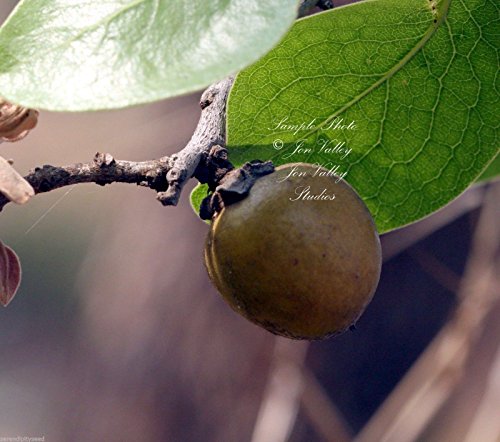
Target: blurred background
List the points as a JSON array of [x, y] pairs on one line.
[[116, 333]]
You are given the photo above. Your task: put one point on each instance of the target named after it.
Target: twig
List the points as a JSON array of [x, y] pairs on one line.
[[211, 131], [280, 404], [104, 169], [486, 425], [322, 413], [203, 158], [166, 175], [435, 268]]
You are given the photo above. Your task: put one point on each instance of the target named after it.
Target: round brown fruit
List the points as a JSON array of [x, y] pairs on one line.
[[300, 267]]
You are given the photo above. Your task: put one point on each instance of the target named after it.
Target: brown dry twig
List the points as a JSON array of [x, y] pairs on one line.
[[166, 175], [203, 158]]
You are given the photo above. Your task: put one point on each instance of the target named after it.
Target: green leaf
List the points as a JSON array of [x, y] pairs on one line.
[[417, 79], [85, 55], [197, 196], [492, 171]]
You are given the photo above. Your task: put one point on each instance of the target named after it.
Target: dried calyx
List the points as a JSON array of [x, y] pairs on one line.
[[227, 185]]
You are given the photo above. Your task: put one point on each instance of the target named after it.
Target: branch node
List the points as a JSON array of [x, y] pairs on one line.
[[103, 159], [170, 197], [207, 98], [213, 167]]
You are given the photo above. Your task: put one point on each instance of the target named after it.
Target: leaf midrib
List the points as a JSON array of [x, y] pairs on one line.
[[391, 72]]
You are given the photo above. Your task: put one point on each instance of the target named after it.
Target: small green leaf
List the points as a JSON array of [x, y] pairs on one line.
[[198, 194], [414, 83], [84, 55]]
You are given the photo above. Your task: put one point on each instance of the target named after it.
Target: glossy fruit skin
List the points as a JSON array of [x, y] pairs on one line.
[[304, 269]]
